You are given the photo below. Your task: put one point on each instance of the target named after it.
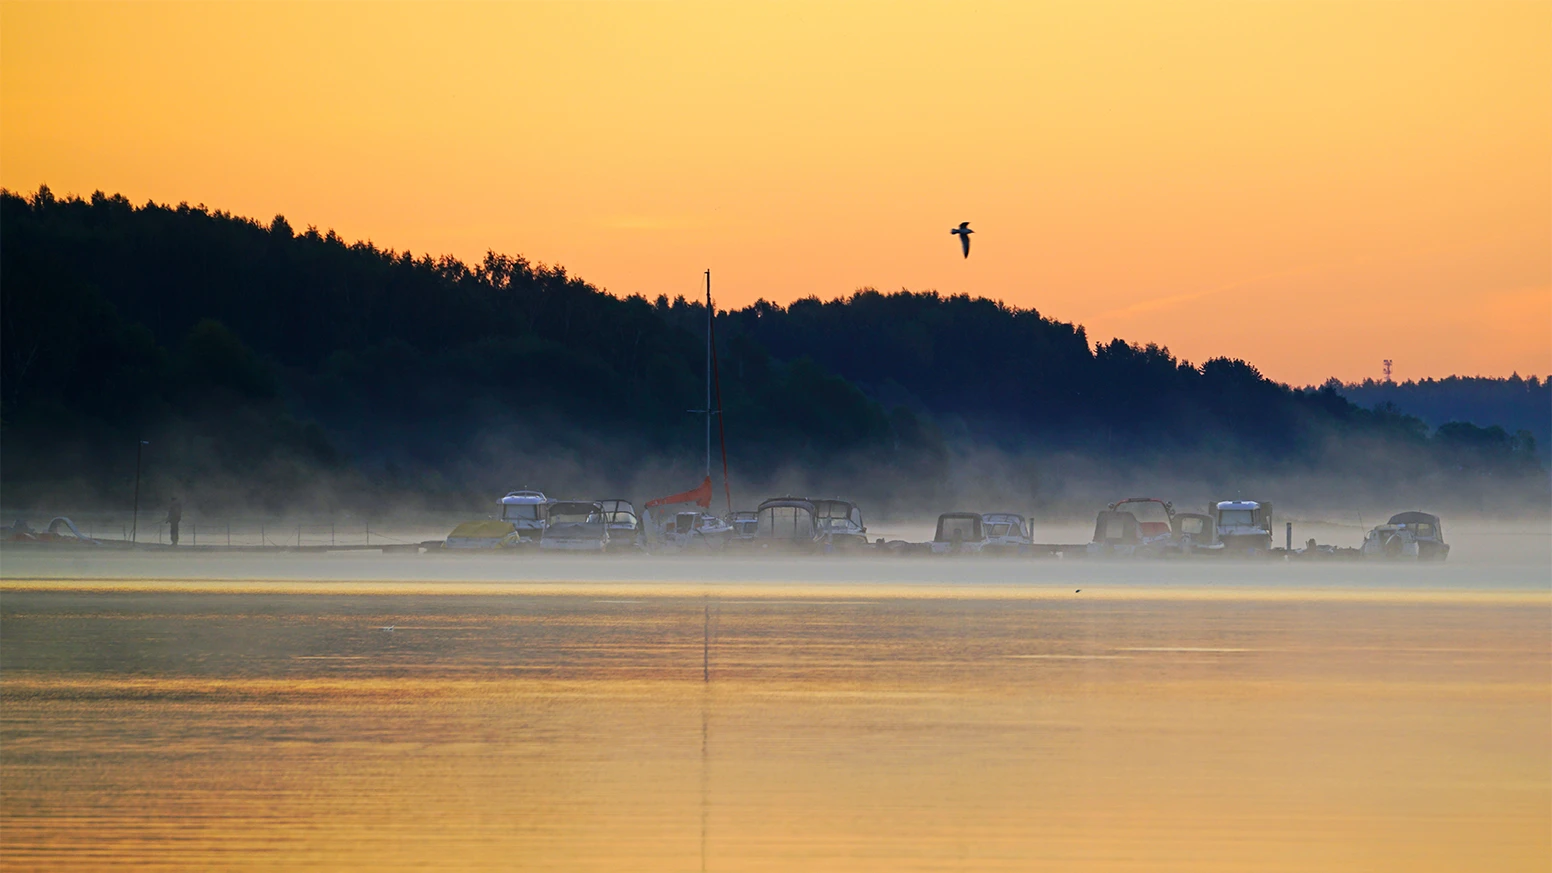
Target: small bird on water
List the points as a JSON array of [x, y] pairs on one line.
[[964, 232]]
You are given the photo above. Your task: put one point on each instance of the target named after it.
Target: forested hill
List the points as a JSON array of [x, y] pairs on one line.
[[273, 365], [1514, 403]]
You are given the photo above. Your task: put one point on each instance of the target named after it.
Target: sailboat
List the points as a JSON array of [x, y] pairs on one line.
[[700, 527]]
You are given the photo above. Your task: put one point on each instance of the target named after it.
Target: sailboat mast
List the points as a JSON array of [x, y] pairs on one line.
[[708, 374]]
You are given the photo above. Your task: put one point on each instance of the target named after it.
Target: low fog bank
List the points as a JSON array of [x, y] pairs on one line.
[[292, 501], [1484, 557]]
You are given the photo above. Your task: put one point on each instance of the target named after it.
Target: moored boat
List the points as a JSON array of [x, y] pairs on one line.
[[1417, 536], [575, 526], [1244, 527], [521, 522]]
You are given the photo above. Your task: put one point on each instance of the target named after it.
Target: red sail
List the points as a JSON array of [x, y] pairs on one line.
[[700, 495]]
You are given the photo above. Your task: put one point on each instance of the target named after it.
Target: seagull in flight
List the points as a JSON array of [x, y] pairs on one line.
[[964, 232]]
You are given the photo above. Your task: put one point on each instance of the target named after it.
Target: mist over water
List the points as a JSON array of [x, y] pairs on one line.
[[240, 710]]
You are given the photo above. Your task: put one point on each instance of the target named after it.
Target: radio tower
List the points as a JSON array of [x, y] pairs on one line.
[[1387, 370]]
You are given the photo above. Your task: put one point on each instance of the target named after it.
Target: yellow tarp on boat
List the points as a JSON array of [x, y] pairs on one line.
[[481, 530]]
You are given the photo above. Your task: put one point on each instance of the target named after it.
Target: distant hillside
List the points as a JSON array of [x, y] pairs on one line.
[[1514, 403], [268, 365], [275, 367]]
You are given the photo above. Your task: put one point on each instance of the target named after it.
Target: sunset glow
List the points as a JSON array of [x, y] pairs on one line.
[[1311, 187]]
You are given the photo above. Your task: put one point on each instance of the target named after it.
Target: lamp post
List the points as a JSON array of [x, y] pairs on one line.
[[134, 529]]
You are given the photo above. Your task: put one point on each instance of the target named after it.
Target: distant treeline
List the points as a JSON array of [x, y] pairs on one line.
[[1514, 403], [275, 367]]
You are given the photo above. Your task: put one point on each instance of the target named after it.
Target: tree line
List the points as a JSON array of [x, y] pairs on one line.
[[271, 360], [1513, 404]]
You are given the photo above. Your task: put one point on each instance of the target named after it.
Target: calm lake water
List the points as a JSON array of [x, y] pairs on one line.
[[862, 725]]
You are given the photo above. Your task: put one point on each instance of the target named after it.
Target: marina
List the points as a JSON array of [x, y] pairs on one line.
[[1134, 528]]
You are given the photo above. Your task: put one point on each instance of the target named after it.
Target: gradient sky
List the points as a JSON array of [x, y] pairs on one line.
[[1311, 186]]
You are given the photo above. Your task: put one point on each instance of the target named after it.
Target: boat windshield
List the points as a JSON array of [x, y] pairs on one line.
[[520, 512], [839, 525], [1115, 528], [575, 513], [1236, 517], [998, 529], [1193, 526]]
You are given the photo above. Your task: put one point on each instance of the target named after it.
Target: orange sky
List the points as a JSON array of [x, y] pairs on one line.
[[1310, 186]]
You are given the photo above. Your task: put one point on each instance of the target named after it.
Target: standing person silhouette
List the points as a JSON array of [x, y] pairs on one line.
[[174, 515]]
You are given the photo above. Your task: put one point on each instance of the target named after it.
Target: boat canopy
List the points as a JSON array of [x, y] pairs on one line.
[[786, 518], [1423, 524], [963, 527], [1003, 524], [838, 516], [1153, 515], [1116, 528]]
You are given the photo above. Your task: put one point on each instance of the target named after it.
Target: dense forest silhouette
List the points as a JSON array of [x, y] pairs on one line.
[[1514, 404], [273, 366]]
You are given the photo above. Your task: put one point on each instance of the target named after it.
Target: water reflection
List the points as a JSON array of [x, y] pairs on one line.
[[886, 733]]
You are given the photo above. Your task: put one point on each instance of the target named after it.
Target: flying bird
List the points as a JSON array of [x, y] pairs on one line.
[[964, 232]]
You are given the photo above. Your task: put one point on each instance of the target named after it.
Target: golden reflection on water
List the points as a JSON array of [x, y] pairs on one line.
[[861, 731]]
